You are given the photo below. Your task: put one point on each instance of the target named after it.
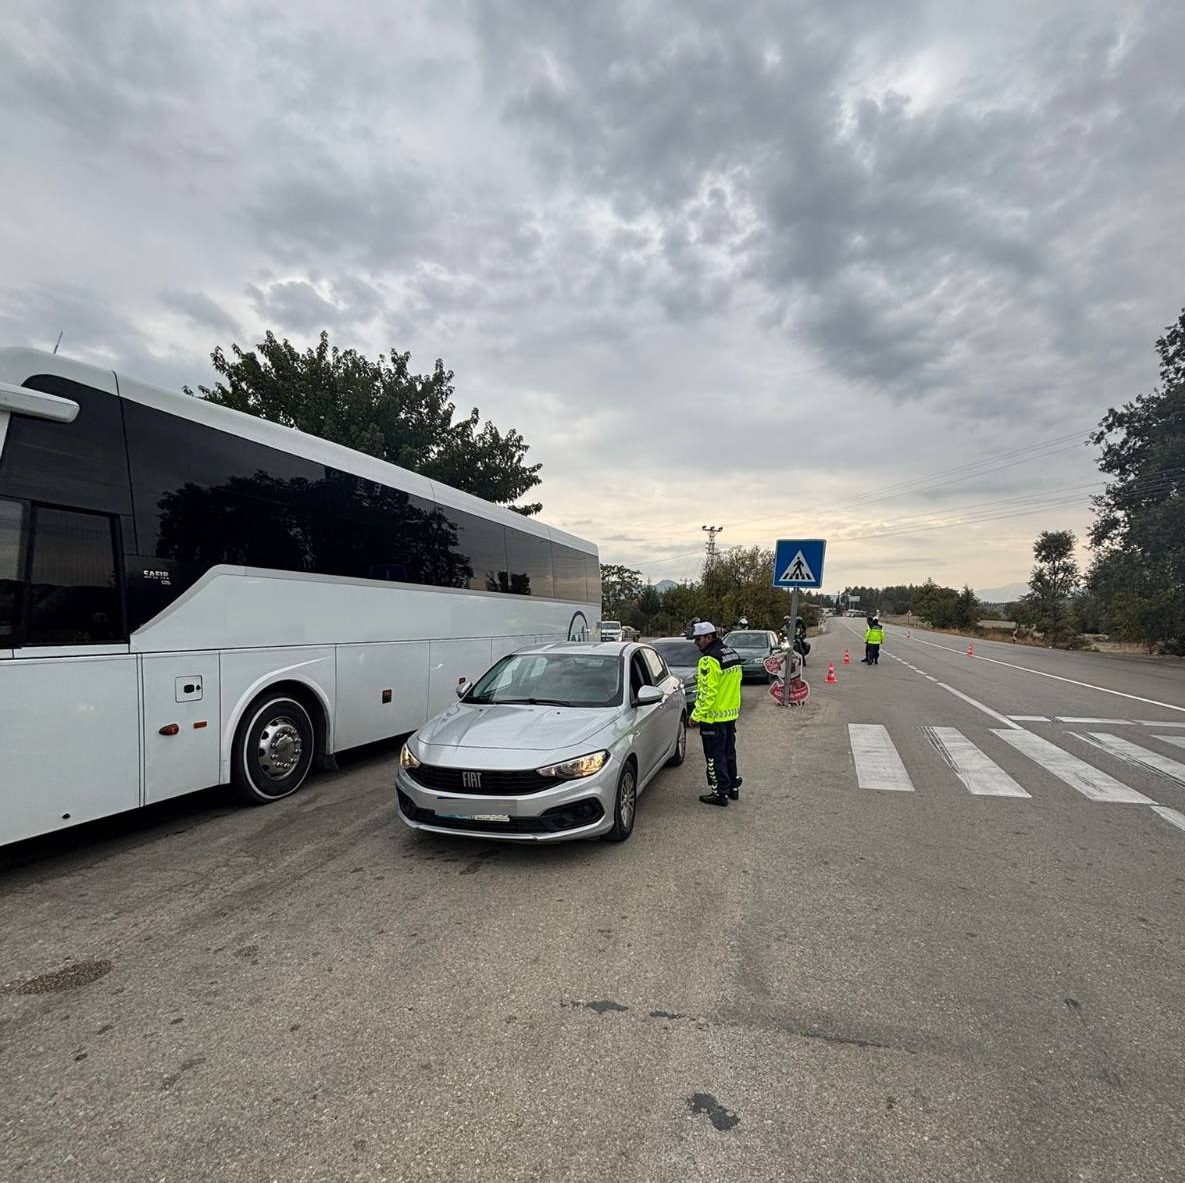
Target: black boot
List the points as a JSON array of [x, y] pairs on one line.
[[734, 794], [713, 798]]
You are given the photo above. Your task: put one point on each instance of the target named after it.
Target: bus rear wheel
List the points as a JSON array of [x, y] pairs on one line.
[[273, 750]]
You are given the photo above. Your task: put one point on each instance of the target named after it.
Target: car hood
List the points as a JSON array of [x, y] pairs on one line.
[[520, 728]]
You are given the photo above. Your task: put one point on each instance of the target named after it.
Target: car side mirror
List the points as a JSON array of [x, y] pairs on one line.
[[463, 687], [647, 696]]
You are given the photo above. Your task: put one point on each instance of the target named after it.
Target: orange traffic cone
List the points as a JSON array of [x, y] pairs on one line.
[[831, 678], [970, 649], [846, 659]]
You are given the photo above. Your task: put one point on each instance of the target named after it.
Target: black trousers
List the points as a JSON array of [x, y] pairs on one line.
[[720, 755], [872, 653]]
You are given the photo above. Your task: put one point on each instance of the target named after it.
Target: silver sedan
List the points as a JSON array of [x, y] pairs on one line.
[[552, 742]]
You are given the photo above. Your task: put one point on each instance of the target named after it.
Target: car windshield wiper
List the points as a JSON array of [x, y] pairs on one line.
[[534, 702]]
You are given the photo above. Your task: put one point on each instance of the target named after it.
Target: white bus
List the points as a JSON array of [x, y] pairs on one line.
[[190, 596]]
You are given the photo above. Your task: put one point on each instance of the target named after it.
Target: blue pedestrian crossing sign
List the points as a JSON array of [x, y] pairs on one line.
[[799, 562]]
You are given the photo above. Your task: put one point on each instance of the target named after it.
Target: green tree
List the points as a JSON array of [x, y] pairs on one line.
[[679, 605], [378, 407], [738, 584], [1055, 576], [620, 589], [1138, 572], [966, 609], [649, 608], [938, 606]]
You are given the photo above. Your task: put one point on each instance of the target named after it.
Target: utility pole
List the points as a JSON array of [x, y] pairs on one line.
[[712, 552]]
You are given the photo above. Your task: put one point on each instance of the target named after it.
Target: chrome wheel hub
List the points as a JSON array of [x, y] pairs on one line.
[[280, 747]]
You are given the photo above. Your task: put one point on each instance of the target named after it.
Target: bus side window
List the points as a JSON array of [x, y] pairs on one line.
[[73, 590], [12, 522]]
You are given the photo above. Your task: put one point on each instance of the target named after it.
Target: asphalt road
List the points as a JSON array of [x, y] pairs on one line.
[[895, 980]]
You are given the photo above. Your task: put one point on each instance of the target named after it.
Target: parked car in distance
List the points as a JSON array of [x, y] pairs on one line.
[[611, 630], [552, 742], [682, 658], [753, 646]]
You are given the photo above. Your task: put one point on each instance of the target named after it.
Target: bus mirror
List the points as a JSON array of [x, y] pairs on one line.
[[20, 400]]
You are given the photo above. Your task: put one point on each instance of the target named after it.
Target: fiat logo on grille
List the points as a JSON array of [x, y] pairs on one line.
[[471, 780]]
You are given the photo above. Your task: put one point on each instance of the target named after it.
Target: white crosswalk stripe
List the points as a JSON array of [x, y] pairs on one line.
[[877, 764], [880, 767], [1173, 816], [1132, 753], [1084, 778], [982, 776]]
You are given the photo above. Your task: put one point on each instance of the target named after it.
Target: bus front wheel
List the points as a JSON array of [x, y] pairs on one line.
[[274, 749]]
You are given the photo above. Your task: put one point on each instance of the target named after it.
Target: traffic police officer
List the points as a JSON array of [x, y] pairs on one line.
[[874, 638], [717, 708]]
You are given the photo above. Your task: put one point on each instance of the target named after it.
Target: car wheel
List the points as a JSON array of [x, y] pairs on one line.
[[680, 752], [625, 805], [273, 749]]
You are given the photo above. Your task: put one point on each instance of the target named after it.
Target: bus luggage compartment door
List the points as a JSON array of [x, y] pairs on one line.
[[69, 742], [180, 691]]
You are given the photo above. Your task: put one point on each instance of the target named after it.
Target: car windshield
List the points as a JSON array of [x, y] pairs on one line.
[[747, 640], [551, 679], [613, 624], [677, 652]]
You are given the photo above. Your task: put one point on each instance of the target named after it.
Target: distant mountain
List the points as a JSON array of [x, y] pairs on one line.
[[1002, 595], [665, 585]]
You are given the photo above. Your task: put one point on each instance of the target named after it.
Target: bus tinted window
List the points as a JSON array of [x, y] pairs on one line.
[[570, 574], [483, 544], [592, 575], [370, 531], [12, 528], [73, 594], [80, 464], [530, 564], [204, 497]]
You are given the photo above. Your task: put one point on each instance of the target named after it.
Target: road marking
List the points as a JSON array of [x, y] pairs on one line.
[[982, 776], [1134, 754], [1084, 778], [877, 764], [1158, 723], [1172, 816], [1168, 706], [979, 705], [1076, 719], [1179, 740], [1029, 718]]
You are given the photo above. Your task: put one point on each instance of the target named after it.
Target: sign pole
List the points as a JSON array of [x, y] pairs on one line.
[[790, 651]]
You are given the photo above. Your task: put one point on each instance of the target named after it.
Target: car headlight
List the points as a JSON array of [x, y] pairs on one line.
[[574, 769], [407, 758]]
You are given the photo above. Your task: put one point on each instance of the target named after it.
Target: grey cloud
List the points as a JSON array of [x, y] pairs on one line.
[[90, 325], [295, 305], [201, 310]]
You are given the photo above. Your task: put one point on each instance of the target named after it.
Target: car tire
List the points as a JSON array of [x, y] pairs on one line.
[[625, 804], [274, 747], [680, 752]]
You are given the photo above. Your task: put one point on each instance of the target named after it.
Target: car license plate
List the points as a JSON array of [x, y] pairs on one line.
[[460, 810]]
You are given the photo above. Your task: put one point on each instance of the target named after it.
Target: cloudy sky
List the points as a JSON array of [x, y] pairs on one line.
[[764, 265]]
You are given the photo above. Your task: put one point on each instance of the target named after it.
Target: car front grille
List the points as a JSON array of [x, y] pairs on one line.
[[552, 821], [493, 784]]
